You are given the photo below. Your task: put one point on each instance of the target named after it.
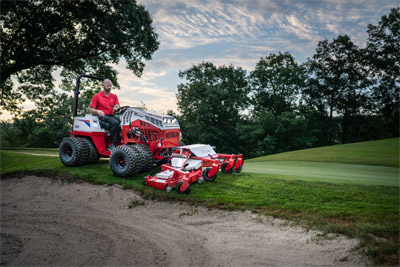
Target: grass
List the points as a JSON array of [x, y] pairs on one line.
[[327, 172], [379, 153], [363, 210]]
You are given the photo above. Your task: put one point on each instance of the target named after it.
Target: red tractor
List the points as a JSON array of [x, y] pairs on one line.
[[146, 138]]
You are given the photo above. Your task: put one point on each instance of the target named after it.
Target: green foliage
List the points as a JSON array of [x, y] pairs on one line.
[[41, 137], [8, 133], [210, 103], [336, 81], [76, 36], [276, 82], [43, 127], [382, 56]]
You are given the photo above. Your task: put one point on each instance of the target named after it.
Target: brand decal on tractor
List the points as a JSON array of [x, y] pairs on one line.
[[87, 122]]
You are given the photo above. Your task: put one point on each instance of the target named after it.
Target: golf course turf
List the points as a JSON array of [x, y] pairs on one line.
[[356, 194]]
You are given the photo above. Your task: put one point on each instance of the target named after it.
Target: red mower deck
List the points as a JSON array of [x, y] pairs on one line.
[[190, 164]]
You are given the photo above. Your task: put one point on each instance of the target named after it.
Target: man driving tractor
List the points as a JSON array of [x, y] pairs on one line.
[[103, 105]]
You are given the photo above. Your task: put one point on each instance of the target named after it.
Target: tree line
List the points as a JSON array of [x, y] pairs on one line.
[[342, 94]]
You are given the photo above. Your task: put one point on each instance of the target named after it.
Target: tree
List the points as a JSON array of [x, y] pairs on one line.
[[383, 59], [336, 81], [276, 82], [211, 102], [44, 126], [83, 36]]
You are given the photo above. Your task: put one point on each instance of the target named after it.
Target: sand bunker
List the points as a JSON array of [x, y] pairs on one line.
[[54, 222]]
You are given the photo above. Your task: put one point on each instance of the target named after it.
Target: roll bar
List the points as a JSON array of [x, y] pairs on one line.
[[78, 81]]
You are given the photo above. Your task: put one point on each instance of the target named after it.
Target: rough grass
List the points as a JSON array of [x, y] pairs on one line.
[[379, 153], [368, 212]]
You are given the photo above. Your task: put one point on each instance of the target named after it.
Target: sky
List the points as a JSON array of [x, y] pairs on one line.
[[238, 33]]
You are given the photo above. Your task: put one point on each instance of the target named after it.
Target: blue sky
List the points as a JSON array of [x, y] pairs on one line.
[[238, 32]]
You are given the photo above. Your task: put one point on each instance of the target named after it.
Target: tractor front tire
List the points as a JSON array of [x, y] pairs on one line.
[[179, 188], [223, 168], [73, 152], [205, 175], [123, 161]]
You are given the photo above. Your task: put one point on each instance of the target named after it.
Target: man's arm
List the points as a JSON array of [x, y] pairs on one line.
[[116, 106], [97, 112], [92, 108]]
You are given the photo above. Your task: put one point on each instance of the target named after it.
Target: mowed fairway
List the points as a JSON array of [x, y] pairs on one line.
[[367, 163], [327, 172]]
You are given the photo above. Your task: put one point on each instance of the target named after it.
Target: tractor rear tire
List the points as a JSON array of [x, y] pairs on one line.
[[93, 155], [238, 170], [147, 155], [223, 168], [73, 152], [179, 188], [123, 161], [205, 175]]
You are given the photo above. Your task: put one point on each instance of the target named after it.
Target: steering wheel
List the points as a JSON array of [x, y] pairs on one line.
[[121, 110]]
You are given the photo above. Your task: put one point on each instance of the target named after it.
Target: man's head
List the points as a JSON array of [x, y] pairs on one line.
[[107, 85]]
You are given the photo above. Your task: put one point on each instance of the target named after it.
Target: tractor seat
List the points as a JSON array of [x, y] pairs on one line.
[[105, 125]]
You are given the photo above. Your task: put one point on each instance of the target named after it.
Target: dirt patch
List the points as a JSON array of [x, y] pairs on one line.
[[53, 222]]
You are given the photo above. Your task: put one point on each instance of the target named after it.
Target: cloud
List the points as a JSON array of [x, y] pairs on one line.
[[156, 98]]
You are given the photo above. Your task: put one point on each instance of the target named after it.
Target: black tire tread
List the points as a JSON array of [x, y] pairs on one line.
[[205, 175], [93, 155], [80, 151], [178, 188], [238, 170], [223, 170], [131, 156], [140, 161], [147, 155]]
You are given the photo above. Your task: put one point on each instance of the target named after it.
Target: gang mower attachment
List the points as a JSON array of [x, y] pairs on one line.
[[190, 164]]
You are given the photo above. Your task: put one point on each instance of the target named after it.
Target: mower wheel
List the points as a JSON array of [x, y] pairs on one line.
[[205, 175], [123, 161], [73, 151], [147, 156], [93, 155], [223, 168], [238, 169], [179, 188]]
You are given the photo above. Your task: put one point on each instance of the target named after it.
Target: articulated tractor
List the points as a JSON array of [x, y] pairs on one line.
[[146, 138]]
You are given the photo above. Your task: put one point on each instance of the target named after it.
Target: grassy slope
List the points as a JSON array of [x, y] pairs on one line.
[[379, 153], [353, 209]]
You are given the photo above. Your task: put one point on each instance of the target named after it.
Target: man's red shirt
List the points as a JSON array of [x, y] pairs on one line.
[[106, 104]]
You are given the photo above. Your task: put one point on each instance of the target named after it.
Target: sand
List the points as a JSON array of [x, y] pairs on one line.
[[49, 221]]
